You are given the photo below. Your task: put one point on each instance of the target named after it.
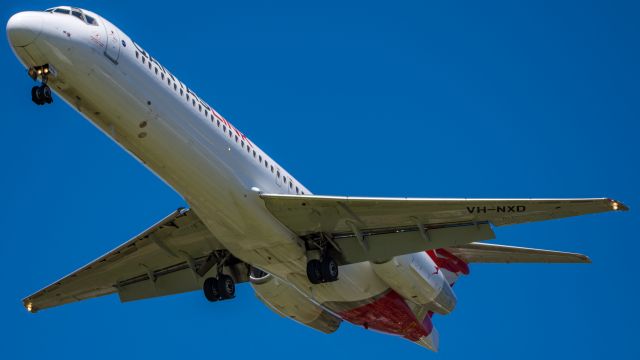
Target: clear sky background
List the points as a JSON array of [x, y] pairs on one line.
[[425, 99]]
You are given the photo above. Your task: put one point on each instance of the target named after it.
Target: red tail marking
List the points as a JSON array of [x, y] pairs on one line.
[[446, 260]]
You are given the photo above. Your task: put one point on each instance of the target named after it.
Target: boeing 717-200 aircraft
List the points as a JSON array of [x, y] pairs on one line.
[[386, 264]]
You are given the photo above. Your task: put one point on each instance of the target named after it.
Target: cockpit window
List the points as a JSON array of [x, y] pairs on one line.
[[90, 20], [77, 13]]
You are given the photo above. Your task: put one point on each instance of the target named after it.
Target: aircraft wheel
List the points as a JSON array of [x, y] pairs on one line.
[[210, 288], [46, 94], [314, 271], [226, 287], [329, 269]]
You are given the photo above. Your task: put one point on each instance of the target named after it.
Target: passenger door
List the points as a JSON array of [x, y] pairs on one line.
[[112, 50]]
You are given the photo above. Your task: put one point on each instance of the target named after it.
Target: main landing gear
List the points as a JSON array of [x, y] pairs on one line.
[[322, 271], [321, 266], [221, 288], [41, 95]]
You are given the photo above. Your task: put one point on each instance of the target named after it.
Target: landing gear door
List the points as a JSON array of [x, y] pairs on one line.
[[112, 51]]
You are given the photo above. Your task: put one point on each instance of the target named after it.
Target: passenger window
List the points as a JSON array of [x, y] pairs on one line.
[[224, 128], [290, 186], [236, 138], [278, 174], [260, 158], [206, 113], [175, 87], [241, 144], [230, 133], [217, 121], [248, 150], [156, 71], [271, 168], [137, 54], [144, 59], [200, 108], [168, 81], [149, 64], [297, 191], [181, 92], [162, 76], [254, 154], [187, 97], [266, 164]]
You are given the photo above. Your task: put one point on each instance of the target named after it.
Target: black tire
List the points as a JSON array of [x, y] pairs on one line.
[[226, 287], [46, 93], [210, 288], [314, 271], [34, 98], [329, 269]]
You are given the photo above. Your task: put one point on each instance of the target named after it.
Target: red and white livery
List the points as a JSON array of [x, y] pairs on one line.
[[387, 264]]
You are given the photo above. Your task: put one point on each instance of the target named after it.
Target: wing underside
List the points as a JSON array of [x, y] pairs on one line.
[[376, 229], [171, 257]]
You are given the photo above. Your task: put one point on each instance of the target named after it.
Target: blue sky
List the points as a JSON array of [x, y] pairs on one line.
[[428, 99]]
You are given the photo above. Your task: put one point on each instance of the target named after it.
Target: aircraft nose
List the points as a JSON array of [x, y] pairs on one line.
[[24, 27]]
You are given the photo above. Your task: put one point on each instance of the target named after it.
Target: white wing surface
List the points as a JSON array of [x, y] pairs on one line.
[[170, 257], [377, 229]]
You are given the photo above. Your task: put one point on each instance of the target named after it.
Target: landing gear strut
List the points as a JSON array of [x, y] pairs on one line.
[[41, 95]]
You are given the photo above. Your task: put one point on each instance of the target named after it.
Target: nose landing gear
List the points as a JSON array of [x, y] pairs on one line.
[[41, 95]]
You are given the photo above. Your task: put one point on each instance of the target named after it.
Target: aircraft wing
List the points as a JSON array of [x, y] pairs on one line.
[[376, 229], [171, 257], [494, 253]]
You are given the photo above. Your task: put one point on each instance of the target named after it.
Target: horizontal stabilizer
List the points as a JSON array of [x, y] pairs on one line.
[[492, 253]]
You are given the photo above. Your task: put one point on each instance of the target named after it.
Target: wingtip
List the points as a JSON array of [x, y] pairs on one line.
[[617, 205], [584, 259], [29, 306]]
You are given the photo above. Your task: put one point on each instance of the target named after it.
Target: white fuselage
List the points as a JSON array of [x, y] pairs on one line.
[[155, 117]]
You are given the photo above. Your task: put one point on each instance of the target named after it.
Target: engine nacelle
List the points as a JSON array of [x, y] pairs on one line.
[[417, 278], [285, 300]]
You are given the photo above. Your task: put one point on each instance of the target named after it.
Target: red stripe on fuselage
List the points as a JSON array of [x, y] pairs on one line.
[[389, 314]]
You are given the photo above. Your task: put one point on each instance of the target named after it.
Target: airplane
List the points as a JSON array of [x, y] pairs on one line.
[[386, 264]]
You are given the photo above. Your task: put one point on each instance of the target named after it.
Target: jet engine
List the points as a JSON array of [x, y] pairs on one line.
[[417, 278], [286, 300]]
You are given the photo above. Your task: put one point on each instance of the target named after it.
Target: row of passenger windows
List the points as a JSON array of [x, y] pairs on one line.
[[171, 81]]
